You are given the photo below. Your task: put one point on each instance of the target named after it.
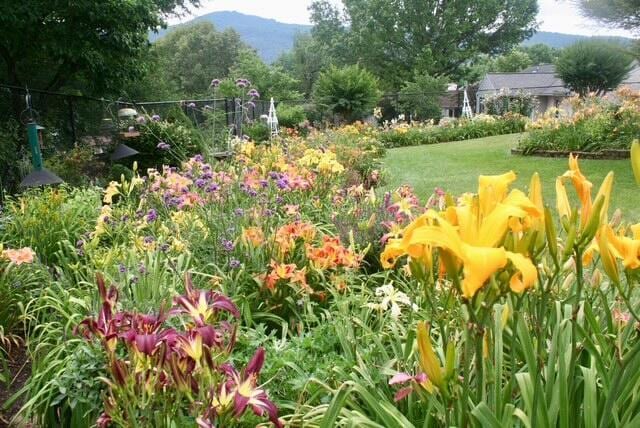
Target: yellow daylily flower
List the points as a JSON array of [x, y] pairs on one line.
[[583, 189], [472, 233], [625, 248]]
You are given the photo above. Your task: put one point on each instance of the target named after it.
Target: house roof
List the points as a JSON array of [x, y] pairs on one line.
[[534, 82]]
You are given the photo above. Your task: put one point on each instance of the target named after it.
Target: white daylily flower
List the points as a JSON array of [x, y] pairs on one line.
[[391, 299]]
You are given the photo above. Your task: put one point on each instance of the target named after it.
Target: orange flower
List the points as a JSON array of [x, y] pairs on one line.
[[287, 235], [332, 254], [253, 236], [289, 272], [18, 257]]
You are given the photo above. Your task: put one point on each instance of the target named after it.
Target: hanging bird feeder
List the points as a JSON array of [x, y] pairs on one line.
[[40, 176]]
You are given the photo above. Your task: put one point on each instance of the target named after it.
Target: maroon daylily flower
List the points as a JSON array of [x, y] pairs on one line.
[[202, 305]]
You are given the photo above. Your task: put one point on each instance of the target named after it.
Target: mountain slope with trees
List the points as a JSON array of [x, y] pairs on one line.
[[271, 38]]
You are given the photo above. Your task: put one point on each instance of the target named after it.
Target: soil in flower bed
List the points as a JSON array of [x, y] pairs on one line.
[[19, 369]]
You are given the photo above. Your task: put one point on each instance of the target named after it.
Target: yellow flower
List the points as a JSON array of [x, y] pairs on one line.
[[635, 160], [428, 360], [472, 233], [623, 247], [583, 189], [111, 191]]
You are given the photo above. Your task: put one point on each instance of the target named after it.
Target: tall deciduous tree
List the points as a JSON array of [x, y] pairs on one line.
[[188, 58], [593, 66], [618, 13], [305, 61], [396, 38], [50, 43]]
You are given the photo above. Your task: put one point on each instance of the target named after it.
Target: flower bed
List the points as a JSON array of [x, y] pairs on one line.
[[404, 135], [280, 288], [596, 126]]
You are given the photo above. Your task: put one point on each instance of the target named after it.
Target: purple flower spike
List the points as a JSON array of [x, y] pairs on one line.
[[141, 120], [254, 93], [163, 146], [228, 245], [215, 83], [155, 118], [234, 264], [152, 216]]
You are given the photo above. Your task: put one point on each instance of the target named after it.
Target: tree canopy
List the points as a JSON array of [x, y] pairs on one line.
[[188, 58], [50, 43], [593, 66], [618, 13], [395, 39]]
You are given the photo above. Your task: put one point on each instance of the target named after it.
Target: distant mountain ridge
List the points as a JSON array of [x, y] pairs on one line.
[[271, 38]]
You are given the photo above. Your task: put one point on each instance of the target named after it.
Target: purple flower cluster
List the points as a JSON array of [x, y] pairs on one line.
[[152, 216], [227, 245], [242, 83], [163, 146]]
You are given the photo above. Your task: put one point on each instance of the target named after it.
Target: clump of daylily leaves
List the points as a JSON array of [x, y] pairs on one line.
[[173, 368]]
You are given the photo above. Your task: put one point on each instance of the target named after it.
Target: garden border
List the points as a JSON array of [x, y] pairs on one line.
[[611, 154]]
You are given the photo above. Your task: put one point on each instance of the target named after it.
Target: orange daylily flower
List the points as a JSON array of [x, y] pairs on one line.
[[253, 236]]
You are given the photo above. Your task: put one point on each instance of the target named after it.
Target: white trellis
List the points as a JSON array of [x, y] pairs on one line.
[[272, 119], [466, 106]]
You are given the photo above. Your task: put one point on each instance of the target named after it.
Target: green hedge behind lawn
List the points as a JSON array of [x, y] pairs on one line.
[[459, 130]]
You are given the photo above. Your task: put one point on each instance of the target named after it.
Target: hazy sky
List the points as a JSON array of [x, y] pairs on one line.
[[560, 16]]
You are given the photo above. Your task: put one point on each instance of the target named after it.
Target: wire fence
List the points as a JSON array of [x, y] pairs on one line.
[[71, 120]]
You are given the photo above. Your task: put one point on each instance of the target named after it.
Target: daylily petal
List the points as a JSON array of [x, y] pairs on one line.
[[442, 236], [479, 264], [562, 200], [526, 275], [400, 378], [402, 393], [492, 189], [495, 225], [605, 191]]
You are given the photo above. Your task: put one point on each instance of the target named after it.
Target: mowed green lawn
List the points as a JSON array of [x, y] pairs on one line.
[[455, 167]]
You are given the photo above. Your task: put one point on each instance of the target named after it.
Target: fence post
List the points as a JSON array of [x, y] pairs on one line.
[[72, 120]]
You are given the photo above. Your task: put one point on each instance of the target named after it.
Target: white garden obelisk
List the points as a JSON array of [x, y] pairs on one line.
[[466, 106], [272, 119]]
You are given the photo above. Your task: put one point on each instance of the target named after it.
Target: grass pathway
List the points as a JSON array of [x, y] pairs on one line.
[[455, 168]]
